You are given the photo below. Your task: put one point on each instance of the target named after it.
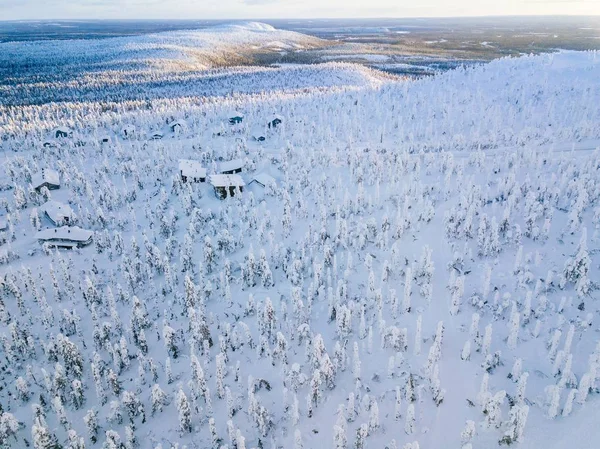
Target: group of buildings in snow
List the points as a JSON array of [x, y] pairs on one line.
[[225, 183], [258, 133], [64, 234], [176, 127]]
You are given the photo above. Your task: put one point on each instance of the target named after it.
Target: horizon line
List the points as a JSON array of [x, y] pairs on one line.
[[473, 16]]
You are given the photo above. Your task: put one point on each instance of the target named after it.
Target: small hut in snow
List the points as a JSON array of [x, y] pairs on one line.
[[3, 224], [62, 131], [156, 135], [65, 237], [236, 118], [128, 131], [192, 171], [58, 213], [231, 167], [46, 178], [218, 131], [227, 185], [264, 180], [258, 135], [177, 126], [275, 122]]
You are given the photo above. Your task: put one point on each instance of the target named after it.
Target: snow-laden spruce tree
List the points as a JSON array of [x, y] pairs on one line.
[[185, 413], [577, 268], [553, 400], [515, 425], [410, 420], [466, 436]]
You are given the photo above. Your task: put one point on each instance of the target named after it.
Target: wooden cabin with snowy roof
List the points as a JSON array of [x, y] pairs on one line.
[[58, 213], [275, 122], [232, 167], [128, 131], [264, 180], [227, 185], [65, 237], [236, 118], [191, 171], [46, 177], [62, 131], [177, 126]]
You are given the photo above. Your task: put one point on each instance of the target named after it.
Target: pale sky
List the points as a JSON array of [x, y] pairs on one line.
[[256, 9]]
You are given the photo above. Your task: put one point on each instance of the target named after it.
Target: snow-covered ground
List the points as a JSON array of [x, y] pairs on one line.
[[422, 273]]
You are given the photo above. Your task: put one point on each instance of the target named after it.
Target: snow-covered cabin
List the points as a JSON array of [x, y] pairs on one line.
[[62, 131], [235, 118], [3, 224], [177, 126], [227, 185], [275, 122], [46, 178], [231, 167], [58, 213], [191, 171], [218, 131], [104, 138], [264, 179], [156, 135], [259, 135], [65, 237], [128, 131]]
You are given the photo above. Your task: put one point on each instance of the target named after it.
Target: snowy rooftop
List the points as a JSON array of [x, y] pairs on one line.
[[227, 181], [46, 175], [191, 168], [62, 129], [181, 123], [73, 233], [3, 224], [264, 179], [232, 165], [57, 211]]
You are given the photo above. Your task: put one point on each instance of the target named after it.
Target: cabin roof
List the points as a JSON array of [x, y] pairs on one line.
[[70, 233], [177, 123], [232, 165], [227, 181], [62, 129], [57, 211], [191, 168], [45, 175], [264, 179]]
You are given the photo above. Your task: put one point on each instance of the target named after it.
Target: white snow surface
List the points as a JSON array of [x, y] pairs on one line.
[[411, 220]]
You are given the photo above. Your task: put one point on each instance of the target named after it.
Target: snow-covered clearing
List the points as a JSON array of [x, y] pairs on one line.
[[422, 272]]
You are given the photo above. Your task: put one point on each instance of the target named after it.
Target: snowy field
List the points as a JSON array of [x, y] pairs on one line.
[[419, 269]]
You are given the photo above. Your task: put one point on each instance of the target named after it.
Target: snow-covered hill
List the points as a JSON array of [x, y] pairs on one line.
[[135, 67], [418, 270]]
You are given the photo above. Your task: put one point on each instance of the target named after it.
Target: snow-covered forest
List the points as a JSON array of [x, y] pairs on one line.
[[410, 264]]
